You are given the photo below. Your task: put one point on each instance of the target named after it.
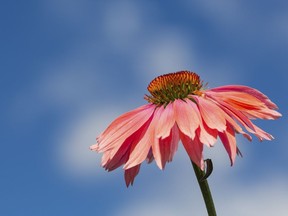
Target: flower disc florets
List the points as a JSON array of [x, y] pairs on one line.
[[168, 87]]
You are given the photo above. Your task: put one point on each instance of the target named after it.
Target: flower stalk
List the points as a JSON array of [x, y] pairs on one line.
[[205, 190]]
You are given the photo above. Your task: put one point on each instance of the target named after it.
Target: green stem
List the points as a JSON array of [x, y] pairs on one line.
[[205, 190]]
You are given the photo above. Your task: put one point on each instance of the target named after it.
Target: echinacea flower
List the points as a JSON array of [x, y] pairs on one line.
[[180, 108]]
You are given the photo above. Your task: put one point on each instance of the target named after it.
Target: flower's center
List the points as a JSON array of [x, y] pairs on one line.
[[168, 87]]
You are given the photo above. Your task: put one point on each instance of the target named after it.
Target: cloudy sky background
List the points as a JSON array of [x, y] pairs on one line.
[[68, 68]]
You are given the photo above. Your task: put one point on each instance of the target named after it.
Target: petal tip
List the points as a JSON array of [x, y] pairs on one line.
[[94, 147]]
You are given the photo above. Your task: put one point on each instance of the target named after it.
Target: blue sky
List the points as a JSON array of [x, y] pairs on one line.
[[68, 68]]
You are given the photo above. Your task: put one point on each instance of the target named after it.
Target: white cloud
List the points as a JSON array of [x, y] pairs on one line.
[[266, 198], [74, 158], [166, 50]]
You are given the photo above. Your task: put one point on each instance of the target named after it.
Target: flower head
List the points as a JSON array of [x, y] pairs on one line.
[[180, 108]]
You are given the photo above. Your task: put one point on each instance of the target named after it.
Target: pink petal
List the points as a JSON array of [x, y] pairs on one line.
[[211, 114], [261, 134], [150, 156], [194, 148], [187, 117], [122, 120], [166, 148], [245, 121], [156, 149], [130, 174], [94, 147], [115, 135], [166, 121], [174, 141], [251, 91], [229, 142], [140, 151], [118, 156], [252, 105], [207, 135], [240, 100], [264, 113], [228, 116]]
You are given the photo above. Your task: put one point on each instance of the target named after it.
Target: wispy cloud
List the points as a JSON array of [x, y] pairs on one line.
[[266, 198], [73, 157]]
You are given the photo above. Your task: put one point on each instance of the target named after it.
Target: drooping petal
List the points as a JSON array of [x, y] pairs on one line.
[[240, 100], [251, 91], [123, 120], [194, 148], [115, 157], [211, 114], [94, 147], [139, 151], [150, 156], [166, 121], [130, 174], [244, 120], [264, 113], [228, 139], [207, 135], [249, 125], [252, 105], [175, 137], [156, 146], [261, 134], [166, 148], [229, 117], [123, 127], [187, 117]]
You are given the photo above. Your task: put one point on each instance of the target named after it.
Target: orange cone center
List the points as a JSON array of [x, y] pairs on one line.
[[168, 87]]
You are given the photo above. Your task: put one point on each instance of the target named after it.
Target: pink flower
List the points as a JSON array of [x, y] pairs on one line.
[[179, 108]]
